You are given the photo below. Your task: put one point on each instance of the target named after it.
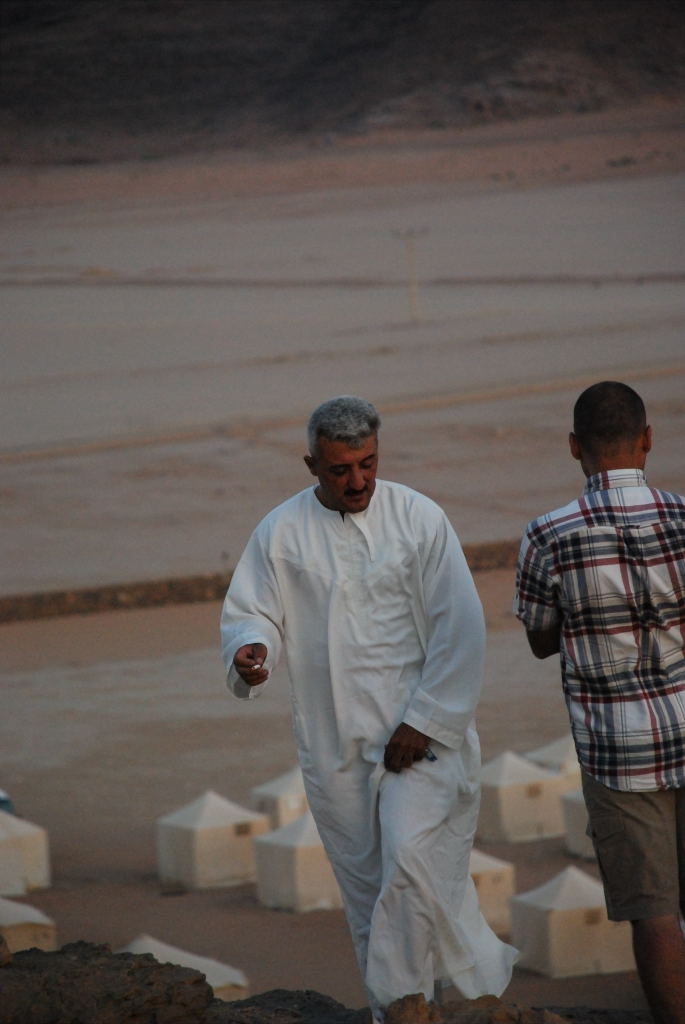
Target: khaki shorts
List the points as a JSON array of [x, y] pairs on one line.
[[639, 841]]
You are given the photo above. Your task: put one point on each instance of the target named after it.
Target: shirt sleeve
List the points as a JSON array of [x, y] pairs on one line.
[[444, 704], [536, 601], [252, 613]]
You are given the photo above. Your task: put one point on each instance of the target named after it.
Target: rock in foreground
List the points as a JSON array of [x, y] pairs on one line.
[[88, 984]]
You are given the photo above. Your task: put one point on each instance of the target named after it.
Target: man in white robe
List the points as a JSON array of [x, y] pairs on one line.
[[364, 584]]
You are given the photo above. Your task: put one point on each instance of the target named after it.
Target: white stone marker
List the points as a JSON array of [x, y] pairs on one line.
[[494, 880], [577, 841], [12, 876], [24, 927], [293, 871], [520, 801], [208, 843], [23, 842], [562, 929], [558, 756], [228, 982], [283, 799]]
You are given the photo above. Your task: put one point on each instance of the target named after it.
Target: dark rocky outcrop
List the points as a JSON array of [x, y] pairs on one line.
[[88, 984], [282, 1006]]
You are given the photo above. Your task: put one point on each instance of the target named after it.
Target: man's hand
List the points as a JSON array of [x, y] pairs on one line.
[[405, 746], [248, 661]]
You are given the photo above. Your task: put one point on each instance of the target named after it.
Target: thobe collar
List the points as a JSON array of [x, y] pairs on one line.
[[360, 521]]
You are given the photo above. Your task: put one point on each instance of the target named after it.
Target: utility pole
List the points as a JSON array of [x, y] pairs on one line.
[[409, 236]]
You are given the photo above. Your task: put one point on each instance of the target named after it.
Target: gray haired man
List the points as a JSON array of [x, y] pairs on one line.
[[365, 587]]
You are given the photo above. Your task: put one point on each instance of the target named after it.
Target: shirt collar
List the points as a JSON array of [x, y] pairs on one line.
[[611, 478]]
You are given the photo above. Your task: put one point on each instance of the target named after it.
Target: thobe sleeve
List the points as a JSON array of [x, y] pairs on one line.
[[443, 706], [252, 613]]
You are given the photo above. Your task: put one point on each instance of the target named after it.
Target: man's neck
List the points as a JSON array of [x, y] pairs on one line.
[[629, 455]]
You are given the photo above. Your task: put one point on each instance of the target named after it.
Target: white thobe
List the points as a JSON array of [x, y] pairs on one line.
[[381, 624]]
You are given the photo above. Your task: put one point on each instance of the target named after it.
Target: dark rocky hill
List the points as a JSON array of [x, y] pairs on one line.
[[94, 79]]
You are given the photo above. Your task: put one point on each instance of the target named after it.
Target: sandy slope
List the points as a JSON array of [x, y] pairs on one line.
[[168, 325], [645, 138]]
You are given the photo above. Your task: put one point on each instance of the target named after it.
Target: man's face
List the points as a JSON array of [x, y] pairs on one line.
[[347, 476]]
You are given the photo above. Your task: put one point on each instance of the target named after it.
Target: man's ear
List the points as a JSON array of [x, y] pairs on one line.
[[310, 463], [574, 446], [647, 440]]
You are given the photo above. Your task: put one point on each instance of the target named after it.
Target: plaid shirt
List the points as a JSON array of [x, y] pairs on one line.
[[610, 569]]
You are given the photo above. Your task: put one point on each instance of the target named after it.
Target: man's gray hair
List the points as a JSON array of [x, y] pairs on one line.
[[345, 418]]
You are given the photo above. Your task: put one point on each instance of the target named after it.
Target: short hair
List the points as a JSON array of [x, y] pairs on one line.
[[345, 418], [607, 415]]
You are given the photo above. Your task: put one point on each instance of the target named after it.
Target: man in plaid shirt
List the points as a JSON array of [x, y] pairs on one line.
[[602, 583]]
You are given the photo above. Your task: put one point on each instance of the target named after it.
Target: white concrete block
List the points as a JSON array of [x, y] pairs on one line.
[[520, 801], [283, 799], [561, 929], [24, 927], [208, 843], [30, 845], [494, 880], [558, 756], [293, 871], [228, 982], [577, 841]]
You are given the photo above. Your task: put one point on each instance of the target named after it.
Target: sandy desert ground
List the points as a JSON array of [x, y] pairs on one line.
[[114, 720], [167, 327]]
